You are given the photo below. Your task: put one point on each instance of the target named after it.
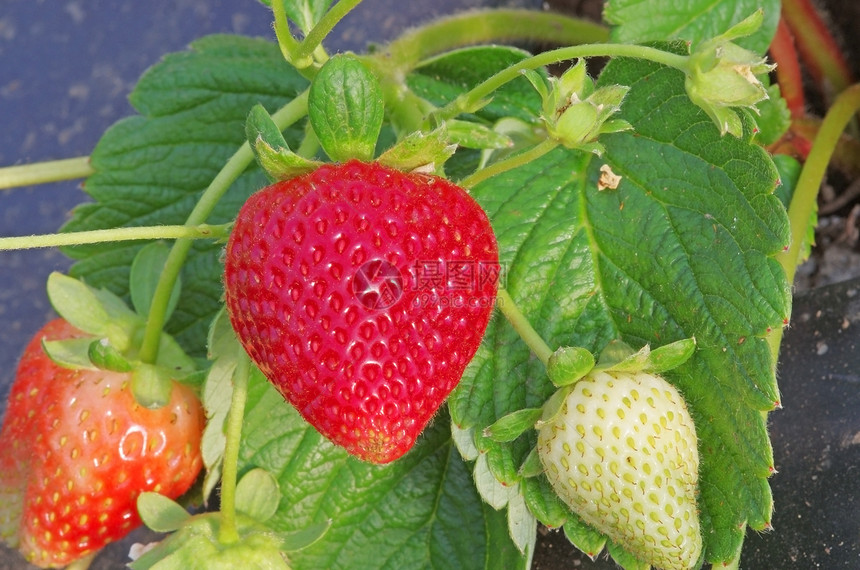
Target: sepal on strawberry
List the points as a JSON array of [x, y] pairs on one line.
[[76, 449], [113, 336], [271, 150], [420, 152], [568, 364], [197, 541], [585, 416], [345, 108], [620, 449]]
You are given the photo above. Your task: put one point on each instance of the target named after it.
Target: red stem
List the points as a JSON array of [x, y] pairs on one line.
[[788, 74], [817, 47]]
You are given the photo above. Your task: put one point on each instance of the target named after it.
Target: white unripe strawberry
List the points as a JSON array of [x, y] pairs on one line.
[[621, 452]]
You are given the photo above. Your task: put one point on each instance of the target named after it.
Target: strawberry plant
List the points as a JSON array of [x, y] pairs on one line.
[[436, 294]]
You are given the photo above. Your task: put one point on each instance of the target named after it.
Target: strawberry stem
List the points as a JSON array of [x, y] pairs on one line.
[[288, 44], [284, 117], [806, 193], [43, 172], [817, 46], [511, 163], [201, 231], [788, 72], [488, 26], [472, 99], [805, 196], [318, 33], [229, 531], [521, 324]]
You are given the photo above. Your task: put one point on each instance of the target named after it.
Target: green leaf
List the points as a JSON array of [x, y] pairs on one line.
[[420, 151], [511, 426], [69, 353], [105, 356], [272, 152], [152, 168], [411, 513], [683, 248], [301, 539], [161, 513], [145, 272], [87, 309], [568, 364], [584, 537], [257, 495], [693, 20], [345, 108], [224, 352]]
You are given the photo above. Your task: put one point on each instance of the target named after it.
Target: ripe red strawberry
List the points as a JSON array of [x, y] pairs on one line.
[[362, 293], [77, 450], [17, 436]]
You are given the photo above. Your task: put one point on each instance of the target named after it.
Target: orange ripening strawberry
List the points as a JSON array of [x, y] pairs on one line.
[[362, 293], [76, 450]]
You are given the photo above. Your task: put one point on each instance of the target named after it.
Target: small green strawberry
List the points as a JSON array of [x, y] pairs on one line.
[[621, 453]]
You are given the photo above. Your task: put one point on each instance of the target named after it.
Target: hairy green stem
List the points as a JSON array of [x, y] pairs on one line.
[[806, 192], [200, 231], [489, 26], [470, 100], [43, 172], [805, 195], [510, 163], [521, 324], [409, 112], [229, 475], [286, 42], [326, 24], [285, 116]]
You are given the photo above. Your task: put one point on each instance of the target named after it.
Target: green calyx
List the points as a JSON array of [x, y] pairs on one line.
[[346, 109], [575, 113], [722, 75], [113, 334], [567, 365], [271, 150], [195, 542]]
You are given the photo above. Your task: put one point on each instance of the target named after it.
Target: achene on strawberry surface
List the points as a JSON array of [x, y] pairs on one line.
[[362, 293], [76, 450], [621, 453]]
